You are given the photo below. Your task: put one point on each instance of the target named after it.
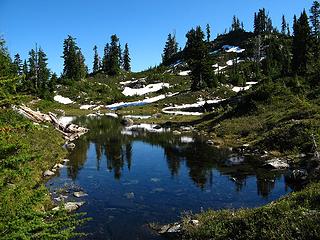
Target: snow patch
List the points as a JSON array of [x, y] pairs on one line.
[[169, 110], [186, 139], [147, 89], [145, 101], [65, 120], [137, 116], [147, 127], [235, 49], [63, 100], [86, 107], [184, 73]]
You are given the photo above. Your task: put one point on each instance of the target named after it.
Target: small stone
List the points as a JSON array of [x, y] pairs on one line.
[[277, 164], [129, 195], [48, 173], [210, 142], [80, 194], [70, 206], [66, 160], [58, 165], [70, 145], [175, 132]]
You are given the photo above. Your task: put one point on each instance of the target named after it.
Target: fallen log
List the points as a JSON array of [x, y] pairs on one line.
[[70, 132]]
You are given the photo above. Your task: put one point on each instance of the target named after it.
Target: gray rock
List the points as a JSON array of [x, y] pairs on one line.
[[210, 142], [276, 163], [80, 194], [175, 132], [48, 173], [66, 160], [70, 145], [70, 206], [129, 195], [58, 165]]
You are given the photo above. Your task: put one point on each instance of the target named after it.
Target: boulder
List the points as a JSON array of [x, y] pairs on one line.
[[70, 206], [80, 194], [70, 145], [276, 163], [48, 173], [175, 132]]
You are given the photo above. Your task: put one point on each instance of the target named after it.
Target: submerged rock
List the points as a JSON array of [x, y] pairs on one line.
[[129, 195]]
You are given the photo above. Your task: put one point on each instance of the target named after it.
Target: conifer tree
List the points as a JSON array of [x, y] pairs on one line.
[[126, 59], [197, 57], [235, 26], [25, 68], [96, 60], [284, 25], [114, 61], [120, 55], [43, 74], [17, 63], [208, 32], [262, 22], [301, 44], [106, 58], [170, 49], [74, 66], [5, 60], [315, 19]]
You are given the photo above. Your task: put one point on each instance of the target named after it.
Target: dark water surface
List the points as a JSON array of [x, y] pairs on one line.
[[134, 177]]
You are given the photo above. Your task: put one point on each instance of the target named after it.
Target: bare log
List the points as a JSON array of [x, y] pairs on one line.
[[70, 132]]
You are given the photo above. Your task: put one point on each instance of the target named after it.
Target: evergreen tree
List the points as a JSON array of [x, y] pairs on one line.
[[96, 60], [315, 19], [170, 49], [114, 61], [120, 55], [262, 22], [52, 83], [74, 66], [38, 74], [25, 68], [17, 63], [5, 60], [208, 32], [301, 44], [284, 25], [43, 74], [106, 58], [126, 59], [197, 57], [235, 26]]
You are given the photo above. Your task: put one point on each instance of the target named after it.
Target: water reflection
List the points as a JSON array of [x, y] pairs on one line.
[[201, 160]]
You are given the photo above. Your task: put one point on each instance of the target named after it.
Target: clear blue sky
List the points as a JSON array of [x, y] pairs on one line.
[[144, 24]]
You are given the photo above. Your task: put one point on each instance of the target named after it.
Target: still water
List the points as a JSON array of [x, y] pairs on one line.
[[133, 177]]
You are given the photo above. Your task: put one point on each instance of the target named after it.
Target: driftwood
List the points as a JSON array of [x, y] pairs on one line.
[[70, 132]]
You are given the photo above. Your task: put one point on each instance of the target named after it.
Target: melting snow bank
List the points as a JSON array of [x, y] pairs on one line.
[[170, 110], [137, 116], [66, 120], [184, 73], [147, 89], [249, 85], [235, 49], [144, 126], [145, 101], [63, 100]]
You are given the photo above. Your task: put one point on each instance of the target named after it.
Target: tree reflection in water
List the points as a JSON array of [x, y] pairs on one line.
[[200, 159]]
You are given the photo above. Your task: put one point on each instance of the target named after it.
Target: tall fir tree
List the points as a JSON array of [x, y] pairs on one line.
[[301, 44], [262, 22], [106, 58], [235, 26], [17, 63], [170, 49], [284, 26], [120, 55], [114, 61], [208, 30], [96, 60], [197, 57], [25, 68], [126, 58], [74, 63], [5, 60], [315, 19]]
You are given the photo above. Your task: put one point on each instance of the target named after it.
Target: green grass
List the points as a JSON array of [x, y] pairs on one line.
[[296, 216], [25, 152]]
